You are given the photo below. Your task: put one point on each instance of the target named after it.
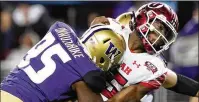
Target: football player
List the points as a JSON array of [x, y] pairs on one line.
[[56, 65], [150, 31]]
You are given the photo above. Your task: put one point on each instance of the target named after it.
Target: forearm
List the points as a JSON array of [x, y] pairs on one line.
[[125, 95], [185, 85], [85, 94], [100, 20], [132, 93]]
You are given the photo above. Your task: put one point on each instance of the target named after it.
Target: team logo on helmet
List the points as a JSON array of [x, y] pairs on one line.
[[112, 51], [155, 5]]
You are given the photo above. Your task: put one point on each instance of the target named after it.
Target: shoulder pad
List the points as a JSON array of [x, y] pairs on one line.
[[158, 61], [59, 24], [156, 65], [152, 66]]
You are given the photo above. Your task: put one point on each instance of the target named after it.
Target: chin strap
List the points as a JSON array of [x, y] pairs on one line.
[[132, 23]]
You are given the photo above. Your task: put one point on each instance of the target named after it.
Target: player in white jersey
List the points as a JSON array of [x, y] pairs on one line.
[[156, 24], [142, 68]]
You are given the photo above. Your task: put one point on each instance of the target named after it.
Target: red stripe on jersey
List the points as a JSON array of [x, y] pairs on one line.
[[120, 79], [162, 78], [154, 84], [108, 94]]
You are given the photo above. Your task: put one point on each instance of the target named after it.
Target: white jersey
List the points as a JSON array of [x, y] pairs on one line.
[[142, 68]]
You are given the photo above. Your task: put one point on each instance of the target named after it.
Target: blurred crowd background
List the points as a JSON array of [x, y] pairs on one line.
[[23, 24]]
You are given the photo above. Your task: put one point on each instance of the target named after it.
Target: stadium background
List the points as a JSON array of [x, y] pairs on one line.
[[23, 24]]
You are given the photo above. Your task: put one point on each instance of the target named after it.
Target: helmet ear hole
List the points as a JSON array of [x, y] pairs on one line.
[[131, 25], [102, 60], [106, 40], [139, 17]]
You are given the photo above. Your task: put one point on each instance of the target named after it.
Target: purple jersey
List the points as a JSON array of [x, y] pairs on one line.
[[48, 70]]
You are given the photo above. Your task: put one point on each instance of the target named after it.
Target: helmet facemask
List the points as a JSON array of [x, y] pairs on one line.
[[158, 27]]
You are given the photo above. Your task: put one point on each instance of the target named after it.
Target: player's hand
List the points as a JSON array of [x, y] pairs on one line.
[[114, 68], [132, 93], [109, 75], [100, 20], [85, 94]]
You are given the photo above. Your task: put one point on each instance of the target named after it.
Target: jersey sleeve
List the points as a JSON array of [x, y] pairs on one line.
[[80, 62], [159, 70], [155, 83]]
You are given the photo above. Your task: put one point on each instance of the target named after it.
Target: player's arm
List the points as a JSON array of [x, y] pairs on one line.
[[85, 94], [132, 93], [123, 19], [181, 84], [100, 20], [93, 82]]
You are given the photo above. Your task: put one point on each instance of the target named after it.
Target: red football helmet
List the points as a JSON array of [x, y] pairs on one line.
[[157, 18]]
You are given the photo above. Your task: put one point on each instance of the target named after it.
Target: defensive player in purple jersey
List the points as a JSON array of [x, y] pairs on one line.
[[55, 65]]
